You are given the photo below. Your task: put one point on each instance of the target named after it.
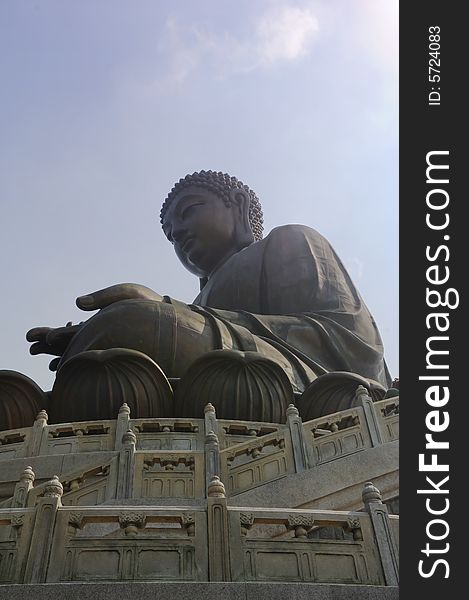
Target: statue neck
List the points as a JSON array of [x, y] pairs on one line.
[[240, 246]]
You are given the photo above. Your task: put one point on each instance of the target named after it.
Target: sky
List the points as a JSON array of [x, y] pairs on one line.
[[105, 104]]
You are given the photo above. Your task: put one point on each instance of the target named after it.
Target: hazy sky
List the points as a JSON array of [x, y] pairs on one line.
[[104, 104]]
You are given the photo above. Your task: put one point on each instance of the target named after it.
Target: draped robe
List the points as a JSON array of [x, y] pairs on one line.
[[292, 291]]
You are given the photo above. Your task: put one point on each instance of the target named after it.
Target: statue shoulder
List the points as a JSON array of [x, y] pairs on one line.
[[293, 229], [290, 237]]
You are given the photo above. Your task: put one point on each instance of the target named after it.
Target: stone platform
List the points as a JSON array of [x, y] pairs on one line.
[[197, 591]]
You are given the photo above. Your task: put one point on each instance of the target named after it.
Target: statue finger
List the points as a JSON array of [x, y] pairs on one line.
[[54, 363], [109, 295], [43, 348], [38, 334]]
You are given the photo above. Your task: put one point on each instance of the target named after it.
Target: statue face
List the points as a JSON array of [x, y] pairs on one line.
[[202, 229]]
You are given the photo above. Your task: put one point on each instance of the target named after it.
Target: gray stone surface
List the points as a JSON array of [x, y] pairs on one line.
[[45, 466], [336, 487], [196, 591], [316, 591]]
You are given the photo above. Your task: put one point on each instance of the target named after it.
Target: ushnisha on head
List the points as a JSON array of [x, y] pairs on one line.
[[221, 184], [208, 216]]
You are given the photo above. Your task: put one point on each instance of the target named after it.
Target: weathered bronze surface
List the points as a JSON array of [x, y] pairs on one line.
[[287, 297]]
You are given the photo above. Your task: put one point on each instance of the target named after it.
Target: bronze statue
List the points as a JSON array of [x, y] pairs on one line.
[[286, 297]]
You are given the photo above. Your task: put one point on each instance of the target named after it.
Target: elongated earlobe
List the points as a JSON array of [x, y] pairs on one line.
[[240, 202]]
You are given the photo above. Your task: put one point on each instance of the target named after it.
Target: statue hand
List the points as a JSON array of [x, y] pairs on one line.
[[116, 293], [48, 340]]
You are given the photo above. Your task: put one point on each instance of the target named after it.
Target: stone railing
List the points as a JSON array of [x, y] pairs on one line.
[[257, 461], [65, 438], [151, 434], [367, 425], [168, 458], [214, 542], [387, 412]]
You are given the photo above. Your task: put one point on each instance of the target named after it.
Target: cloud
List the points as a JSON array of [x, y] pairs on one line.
[[187, 47], [282, 33]]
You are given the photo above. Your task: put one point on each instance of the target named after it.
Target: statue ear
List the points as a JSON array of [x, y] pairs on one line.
[[241, 201]]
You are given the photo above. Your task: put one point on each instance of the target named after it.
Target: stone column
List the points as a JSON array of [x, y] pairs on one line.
[[295, 425], [218, 534], [383, 535], [43, 532]]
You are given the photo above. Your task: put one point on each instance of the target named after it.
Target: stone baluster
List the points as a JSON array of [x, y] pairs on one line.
[[301, 524], [122, 425], [212, 458], [132, 522], [295, 426], [218, 533], [43, 532], [382, 531], [210, 416], [20, 495], [37, 434], [125, 474], [362, 398]]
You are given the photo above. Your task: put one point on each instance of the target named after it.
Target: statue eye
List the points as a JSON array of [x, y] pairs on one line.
[[188, 209]]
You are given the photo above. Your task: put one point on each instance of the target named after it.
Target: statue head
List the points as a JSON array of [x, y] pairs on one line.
[[208, 217]]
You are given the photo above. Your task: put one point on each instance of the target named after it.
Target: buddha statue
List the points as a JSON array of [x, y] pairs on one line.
[[285, 298]]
